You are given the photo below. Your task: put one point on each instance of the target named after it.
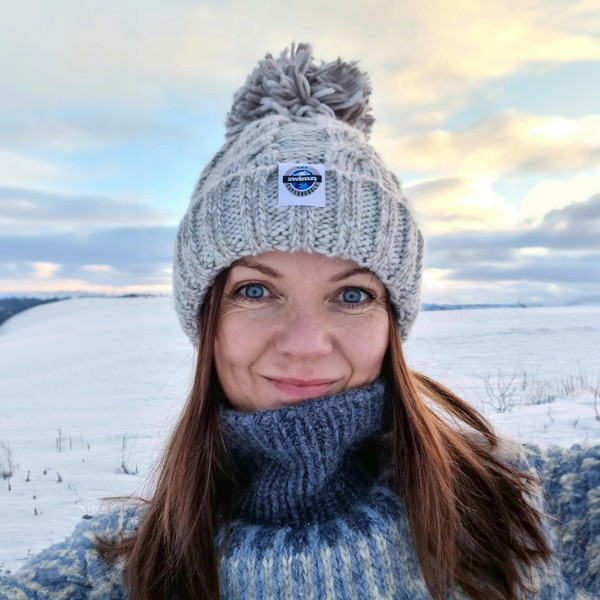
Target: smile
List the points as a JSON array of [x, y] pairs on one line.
[[302, 388]]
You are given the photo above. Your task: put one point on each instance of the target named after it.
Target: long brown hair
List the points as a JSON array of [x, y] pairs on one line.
[[470, 517]]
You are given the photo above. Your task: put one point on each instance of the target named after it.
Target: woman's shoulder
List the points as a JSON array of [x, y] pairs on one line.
[[74, 568], [570, 483], [522, 457], [571, 476], [113, 521], [117, 517]]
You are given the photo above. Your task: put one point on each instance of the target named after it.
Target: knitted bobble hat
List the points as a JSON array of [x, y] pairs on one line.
[[297, 173]]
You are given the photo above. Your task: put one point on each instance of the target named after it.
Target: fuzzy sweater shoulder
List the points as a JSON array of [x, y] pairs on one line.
[[73, 569]]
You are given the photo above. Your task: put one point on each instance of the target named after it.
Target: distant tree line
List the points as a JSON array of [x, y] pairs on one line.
[[12, 306], [428, 306]]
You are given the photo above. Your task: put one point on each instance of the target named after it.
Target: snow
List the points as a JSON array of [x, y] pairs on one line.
[[106, 378]]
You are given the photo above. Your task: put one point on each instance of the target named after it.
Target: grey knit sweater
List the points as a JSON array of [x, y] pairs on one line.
[[314, 521]]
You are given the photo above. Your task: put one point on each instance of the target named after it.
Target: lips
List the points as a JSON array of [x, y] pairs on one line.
[[302, 388], [301, 382]]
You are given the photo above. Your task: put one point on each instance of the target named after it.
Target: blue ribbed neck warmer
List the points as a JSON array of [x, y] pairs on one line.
[[301, 460]]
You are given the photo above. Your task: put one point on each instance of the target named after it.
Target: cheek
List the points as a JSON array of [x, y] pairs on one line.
[[366, 343], [238, 341]]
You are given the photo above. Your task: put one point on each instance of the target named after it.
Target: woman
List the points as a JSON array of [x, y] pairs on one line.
[[309, 461]]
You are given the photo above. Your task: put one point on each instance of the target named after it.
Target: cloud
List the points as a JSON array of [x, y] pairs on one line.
[[452, 258], [18, 169], [132, 57], [96, 268], [555, 193], [429, 53], [135, 260], [44, 270], [468, 43], [460, 204], [439, 287], [507, 143], [582, 217], [63, 286], [554, 260], [123, 248], [27, 207], [460, 213], [569, 239], [549, 269], [94, 129]]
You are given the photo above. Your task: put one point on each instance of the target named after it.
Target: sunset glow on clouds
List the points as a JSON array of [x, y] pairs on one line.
[[486, 111]]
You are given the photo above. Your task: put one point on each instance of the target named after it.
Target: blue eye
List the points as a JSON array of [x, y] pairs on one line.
[[352, 295], [254, 290], [251, 291]]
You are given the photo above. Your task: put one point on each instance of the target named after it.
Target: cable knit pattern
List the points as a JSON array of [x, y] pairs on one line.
[[313, 521], [234, 209]]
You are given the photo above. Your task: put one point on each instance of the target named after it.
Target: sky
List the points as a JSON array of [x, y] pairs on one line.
[[487, 112]]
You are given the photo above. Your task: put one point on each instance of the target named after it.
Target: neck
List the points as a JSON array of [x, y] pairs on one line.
[[302, 463]]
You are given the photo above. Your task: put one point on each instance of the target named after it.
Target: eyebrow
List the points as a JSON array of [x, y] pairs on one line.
[[244, 262]]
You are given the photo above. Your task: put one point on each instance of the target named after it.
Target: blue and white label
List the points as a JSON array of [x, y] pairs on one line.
[[301, 184]]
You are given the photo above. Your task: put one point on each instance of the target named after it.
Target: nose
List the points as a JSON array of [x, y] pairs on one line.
[[304, 333]]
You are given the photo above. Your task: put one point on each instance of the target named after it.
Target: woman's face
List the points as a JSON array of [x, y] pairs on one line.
[[298, 325]]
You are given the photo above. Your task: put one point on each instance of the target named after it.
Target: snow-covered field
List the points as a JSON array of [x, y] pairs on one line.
[[91, 387]]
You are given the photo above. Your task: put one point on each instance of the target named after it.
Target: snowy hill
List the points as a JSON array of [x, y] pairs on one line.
[[91, 387]]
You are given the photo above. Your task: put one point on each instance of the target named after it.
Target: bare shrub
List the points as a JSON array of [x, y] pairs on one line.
[[505, 390], [594, 388], [126, 461], [540, 392], [7, 466]]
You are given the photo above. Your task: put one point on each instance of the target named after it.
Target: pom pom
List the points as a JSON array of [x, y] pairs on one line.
[[298, 88]]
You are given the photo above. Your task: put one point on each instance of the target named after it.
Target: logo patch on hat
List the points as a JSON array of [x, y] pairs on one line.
[[301, 184]]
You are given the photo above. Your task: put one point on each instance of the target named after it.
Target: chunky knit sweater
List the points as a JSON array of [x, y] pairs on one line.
[[314, 521]]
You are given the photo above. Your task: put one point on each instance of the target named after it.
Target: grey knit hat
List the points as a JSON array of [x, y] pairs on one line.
[[297, 173]]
